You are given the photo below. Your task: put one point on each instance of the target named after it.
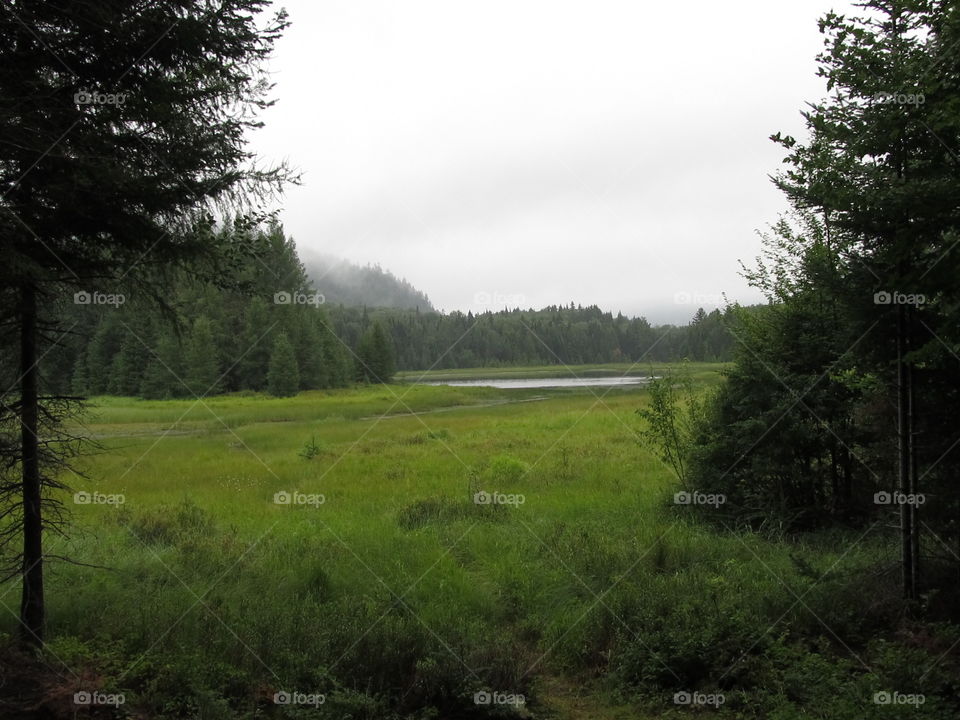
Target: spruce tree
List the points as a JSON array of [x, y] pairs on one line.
[[255, 346], [375, 356], [313, 370], [79, 383], [879, 169], [283, 377], [126, 370], [202, 372], [125, 129], [161, 376]]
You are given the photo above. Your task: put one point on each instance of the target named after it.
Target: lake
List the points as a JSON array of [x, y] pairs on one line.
[[520, 383]]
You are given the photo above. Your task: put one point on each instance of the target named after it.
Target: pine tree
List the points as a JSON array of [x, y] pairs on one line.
[[161, 378], [143, 179], [79, 383], [879, 171], [104, 344], [375, 356], [283, 377], [202, 372], [336, 360], [255, 346], [313, 370], [126, 370]]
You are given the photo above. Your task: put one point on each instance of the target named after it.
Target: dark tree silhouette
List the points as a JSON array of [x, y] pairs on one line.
[[124, 129]]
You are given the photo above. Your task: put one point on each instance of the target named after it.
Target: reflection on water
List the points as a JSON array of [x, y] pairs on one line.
[[541, 382]]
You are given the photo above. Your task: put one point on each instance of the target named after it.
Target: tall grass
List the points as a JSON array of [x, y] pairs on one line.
[[398, 593]]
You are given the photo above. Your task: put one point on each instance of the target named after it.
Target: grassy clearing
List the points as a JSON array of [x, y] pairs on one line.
[[399, 596]]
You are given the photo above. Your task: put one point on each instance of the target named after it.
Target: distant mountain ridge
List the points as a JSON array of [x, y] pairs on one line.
[[342, 282]]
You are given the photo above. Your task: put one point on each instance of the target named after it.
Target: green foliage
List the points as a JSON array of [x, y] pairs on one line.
[[674, 408], [283, 377], [201, 367], [167, 524], [859, 281], [138, 348], [550, 336], [778, 439], [311, 449], [255, 341], [126, 371], [506, 470], [205, 331], [375, 361], [79, 381], [161, 378], [421, 513]]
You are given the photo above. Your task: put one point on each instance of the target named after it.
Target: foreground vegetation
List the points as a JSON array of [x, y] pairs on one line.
[[399, 596]]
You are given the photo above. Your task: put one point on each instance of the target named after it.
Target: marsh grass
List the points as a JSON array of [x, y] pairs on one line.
[[399, 593]]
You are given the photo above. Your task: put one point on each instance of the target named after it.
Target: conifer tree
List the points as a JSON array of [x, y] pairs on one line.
[[202, 372], [283, 377], [375, 356]]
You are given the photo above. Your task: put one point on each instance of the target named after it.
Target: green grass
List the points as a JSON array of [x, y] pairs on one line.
[[399, 593]]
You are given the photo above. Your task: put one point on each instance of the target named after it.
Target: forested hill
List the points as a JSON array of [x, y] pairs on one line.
[[553, 335], [343, 282], [274, 330]]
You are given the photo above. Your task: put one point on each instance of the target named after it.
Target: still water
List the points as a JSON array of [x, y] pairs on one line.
[[542, 382]]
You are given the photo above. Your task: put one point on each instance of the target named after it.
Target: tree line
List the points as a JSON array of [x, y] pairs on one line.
[[266, 329], [569, 335], [208, 340]]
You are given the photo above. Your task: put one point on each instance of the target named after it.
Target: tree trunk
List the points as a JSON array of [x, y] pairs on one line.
[[904, 465], [912, 467], [31, 602]]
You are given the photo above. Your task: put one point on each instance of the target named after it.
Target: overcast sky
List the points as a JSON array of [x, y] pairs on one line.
[[533, 153]]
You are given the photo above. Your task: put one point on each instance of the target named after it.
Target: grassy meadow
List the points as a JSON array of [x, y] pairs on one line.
[[386, 588]]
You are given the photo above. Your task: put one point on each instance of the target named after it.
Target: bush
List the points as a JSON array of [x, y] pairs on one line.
[[506, 470], [166, 524]]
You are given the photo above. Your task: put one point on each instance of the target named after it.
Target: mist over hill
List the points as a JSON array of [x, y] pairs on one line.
[[345, 283]]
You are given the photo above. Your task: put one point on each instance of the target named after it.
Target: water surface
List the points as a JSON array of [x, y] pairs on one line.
[[519, 383]]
